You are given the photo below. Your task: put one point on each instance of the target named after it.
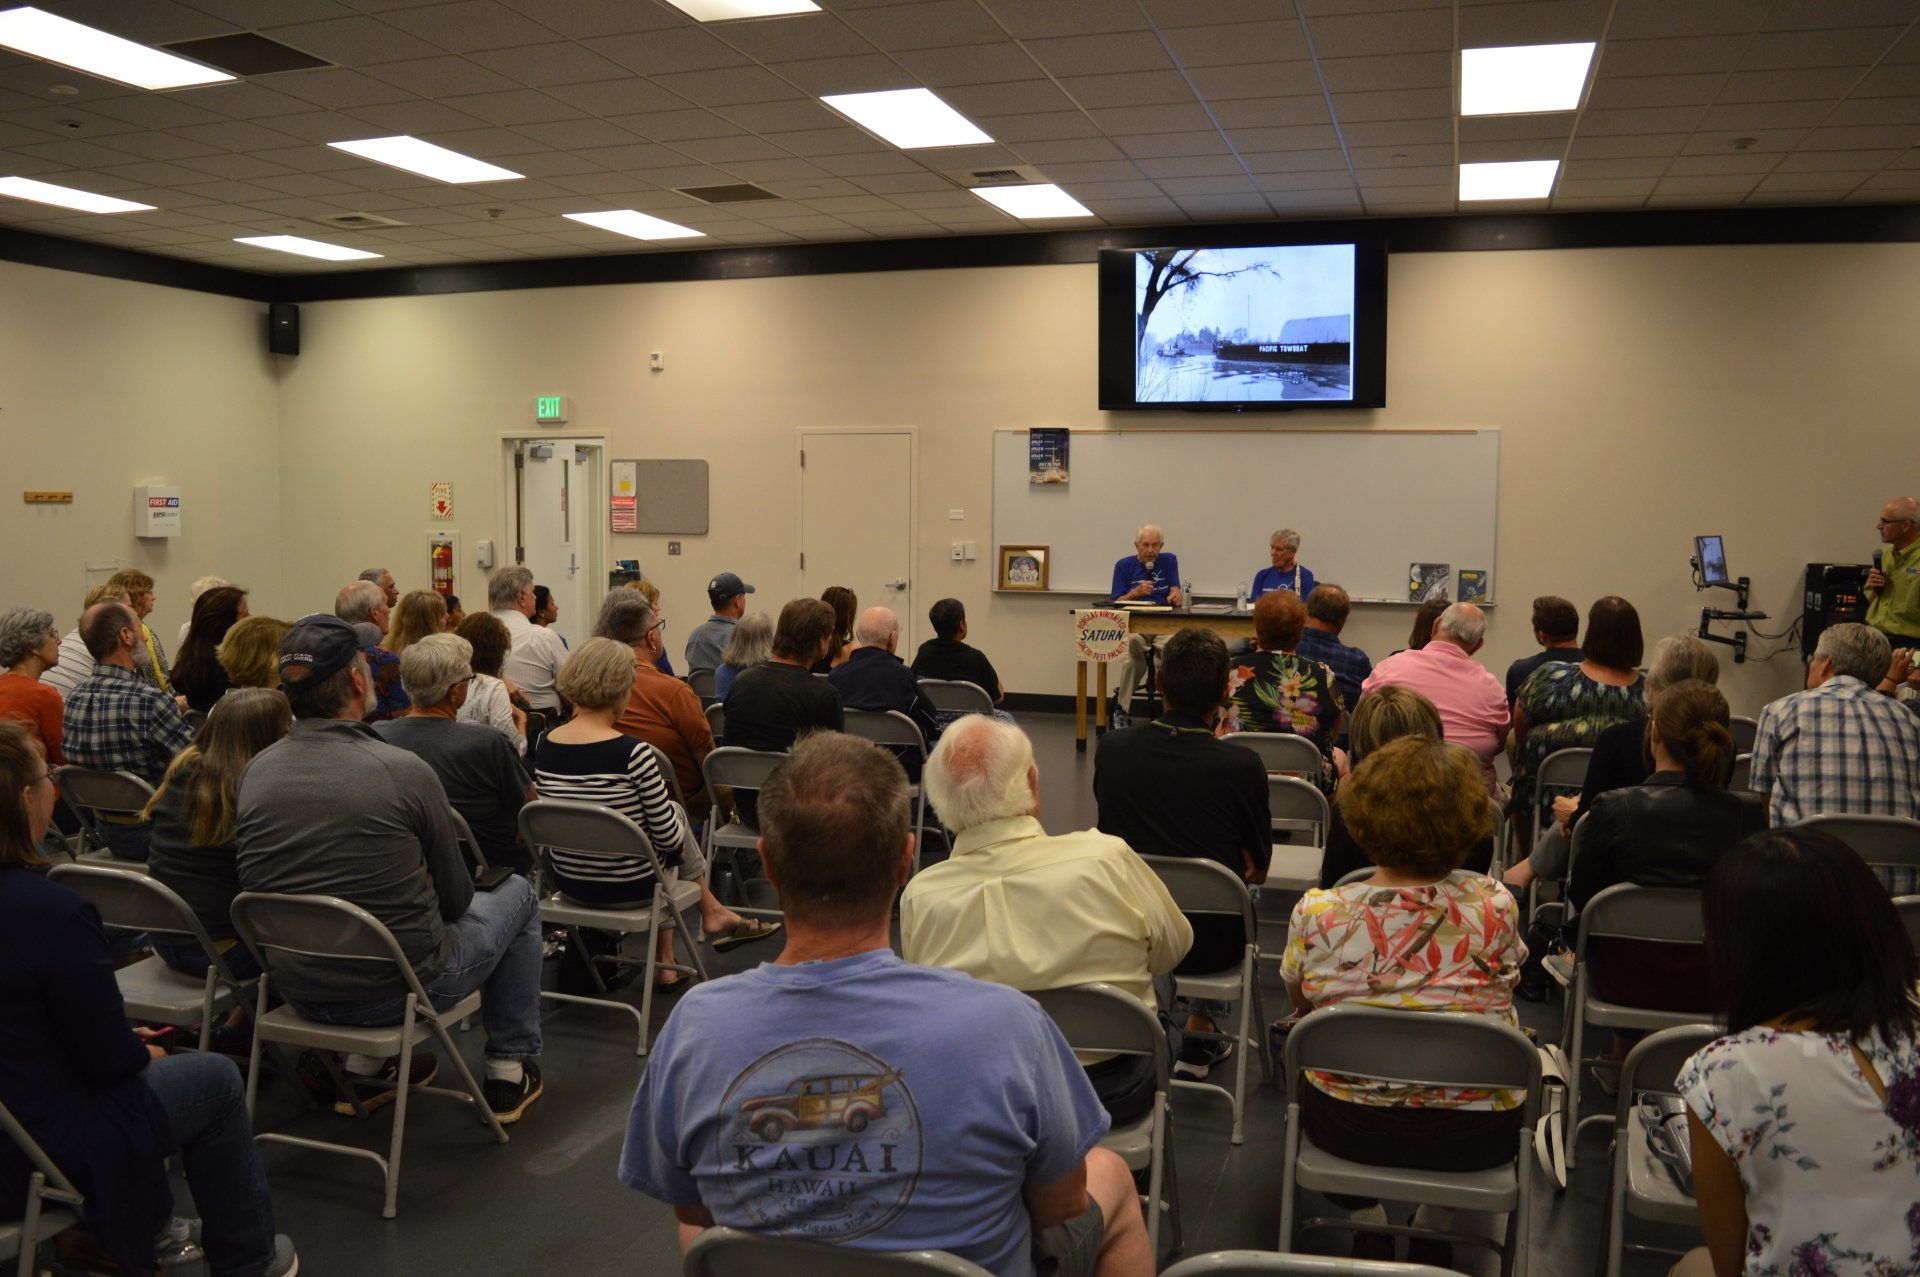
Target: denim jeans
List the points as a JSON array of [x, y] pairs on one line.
[[205, 1103], [496, 949], [184, 954], [128, 842]]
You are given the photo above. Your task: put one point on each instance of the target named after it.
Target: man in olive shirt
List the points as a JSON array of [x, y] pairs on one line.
[[1893, 587]]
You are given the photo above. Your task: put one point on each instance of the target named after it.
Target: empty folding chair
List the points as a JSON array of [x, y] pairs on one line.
[[1563, 769], [1742, 777], [728, 1252], [1909, 907], [896, 731], [1100, 1018], [1744, 731], [741, 771], [587, 829], [1297, 807], [702, 683], [1283, 752], [1420, 1048], [1891, 844], [717, 722], [46, 1183], [1264, 1263], [1207, 888], [956, 696], [326, 927], [1641, 1185], [95, 795]]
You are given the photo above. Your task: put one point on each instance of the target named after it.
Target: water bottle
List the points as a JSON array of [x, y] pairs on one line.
[[1186, 595], [1240, 599]]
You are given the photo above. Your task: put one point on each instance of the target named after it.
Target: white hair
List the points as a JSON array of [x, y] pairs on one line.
[[1464, 623], [355, 602], [978, 772], [875, 626], [430, 667], [1907, 508], [1287, 537], [374, 575], [1145, 528], [202, 584]]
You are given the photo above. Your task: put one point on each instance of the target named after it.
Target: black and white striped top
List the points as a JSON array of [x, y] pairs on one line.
[[617, 773]]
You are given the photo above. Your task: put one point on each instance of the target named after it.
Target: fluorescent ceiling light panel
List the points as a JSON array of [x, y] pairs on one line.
[[624, 221], [909, 118], [1032, 202], [1517, 180], [306, 247], [426, 159], [25, 188], [727, 10], [71, 44], [1523, 79]]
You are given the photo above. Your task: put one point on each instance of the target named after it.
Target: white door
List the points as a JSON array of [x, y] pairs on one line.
[[558, 532], [856, 519]]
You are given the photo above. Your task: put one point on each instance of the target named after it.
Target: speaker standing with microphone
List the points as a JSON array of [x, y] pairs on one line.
[[1893, 587]]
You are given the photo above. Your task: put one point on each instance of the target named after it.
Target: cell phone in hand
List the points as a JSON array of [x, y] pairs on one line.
[[488, 879]]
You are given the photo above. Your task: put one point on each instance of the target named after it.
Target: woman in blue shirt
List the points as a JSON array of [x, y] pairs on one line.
[[1286, 572]]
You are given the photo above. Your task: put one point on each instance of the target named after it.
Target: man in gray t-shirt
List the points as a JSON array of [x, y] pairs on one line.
[[727, 594]]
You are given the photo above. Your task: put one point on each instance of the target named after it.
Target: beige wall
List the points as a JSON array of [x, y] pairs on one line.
[[105, 384]]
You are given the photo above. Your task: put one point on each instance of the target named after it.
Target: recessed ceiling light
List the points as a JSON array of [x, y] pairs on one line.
[[908, 118], [624, 221], [71, 44], [1514, 180], [727, 10], [306, 247], [426, 159], [1523, 78], [25, 188], [1033, 201]]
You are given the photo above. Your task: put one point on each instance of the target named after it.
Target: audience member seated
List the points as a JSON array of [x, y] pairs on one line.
[[418, 614], [588, 759], [1016, 906], [1422, 934], [1172, 788], [389, 592], [651, 593], [1556, 628], [1567, 704], [874, 678], [456, 613], [150, 658], [108, 1107], [489, 698], [727, 596], [1471, 702], [250, 654], [846, 607], [1840, 746], [947, 655], [1327, 611], [777, 701], [537, 652], [193, 848], [197, 672], [1425, 617], [991, 1128], [479, 771], [546, 610], [333, 810], [749, 643], [1817, 978], [75, 661], [201, 584], [117, 721], [661, 710], [364, 607], [1275, 689], [29, 647], [1386, 715]]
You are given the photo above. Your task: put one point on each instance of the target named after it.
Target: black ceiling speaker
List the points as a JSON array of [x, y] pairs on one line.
[[283, 328]]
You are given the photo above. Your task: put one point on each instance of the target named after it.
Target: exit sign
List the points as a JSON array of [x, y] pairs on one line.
[[550, 409]]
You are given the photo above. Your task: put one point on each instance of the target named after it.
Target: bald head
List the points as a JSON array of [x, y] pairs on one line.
[[982, 770], [1900, 522], [110, 630], [1463, 624], [877, 627]]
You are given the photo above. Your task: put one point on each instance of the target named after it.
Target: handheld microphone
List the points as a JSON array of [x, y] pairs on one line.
[[1876, 560]]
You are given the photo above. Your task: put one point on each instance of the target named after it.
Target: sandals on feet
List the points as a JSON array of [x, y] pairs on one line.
[[746, 933]]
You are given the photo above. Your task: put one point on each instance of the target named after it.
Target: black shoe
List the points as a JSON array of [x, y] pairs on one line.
[[509, 1100], [232, 1039], [377, 1090], [1198, 1056]]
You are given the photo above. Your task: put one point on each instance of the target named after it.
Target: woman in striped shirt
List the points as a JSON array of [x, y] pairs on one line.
[[589, 760]]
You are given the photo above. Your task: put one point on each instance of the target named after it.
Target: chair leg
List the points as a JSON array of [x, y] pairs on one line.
[[693, 947], [1576, 1067], [1513, 1256], [30, 1224], [1289, 1156], [1170, 1174], [659, 914], [391, 1207], [1613, 1226], [1155, 1169], [253, 1051], [206, 1010], [1245, 1048]]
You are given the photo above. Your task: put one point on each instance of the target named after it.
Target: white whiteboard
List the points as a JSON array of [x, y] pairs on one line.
[[1367, 504]]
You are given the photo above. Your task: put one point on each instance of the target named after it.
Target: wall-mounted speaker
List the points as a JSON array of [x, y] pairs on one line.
[[283, 328]]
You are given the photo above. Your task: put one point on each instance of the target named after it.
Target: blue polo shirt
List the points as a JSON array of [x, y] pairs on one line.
[[1296, 578], [1165, 575]]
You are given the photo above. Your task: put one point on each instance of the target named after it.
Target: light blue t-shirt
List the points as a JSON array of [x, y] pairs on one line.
[[865, 1102]]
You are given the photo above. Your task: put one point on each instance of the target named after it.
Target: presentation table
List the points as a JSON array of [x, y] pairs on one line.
[[1230, 626]]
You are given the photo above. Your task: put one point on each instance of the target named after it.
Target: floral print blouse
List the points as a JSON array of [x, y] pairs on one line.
[[1452, 946], [1286, 692], [1832, 1174], [1564, 709]]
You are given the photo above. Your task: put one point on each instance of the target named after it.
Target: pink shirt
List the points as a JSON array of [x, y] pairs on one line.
[[1471, 701]]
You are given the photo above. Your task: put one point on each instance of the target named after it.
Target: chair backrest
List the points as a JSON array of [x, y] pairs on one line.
[[1419, 1048], [1282, 751], [1294, 804], [36, 1156], [1879, 840], [956, 696], [1204, 886], [1744, 731], [1655, 1062], [586, 829], [1626, 912], [118, 793], [1742, 777], [728, 1252], [1099, 1017], [665, 767], [271, 924], [717, 721], [1499, 816], [1352, 876], [196, 719], [1263, 1263], [702, 683], [1562, 769], [1909, 910], [463, 834], [886, 727], [738, 768], [131, 899]]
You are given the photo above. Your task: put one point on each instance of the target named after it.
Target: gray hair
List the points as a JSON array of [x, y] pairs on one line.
[[1907, 508], [355, 602], [505, 587], [1140, 534], [374, 575], [875, 626], [598, 674], [1287, 537], [625, 617], [978, 772], [432, 666], [752, 641], [202, 584], [1679, 657], [1464, 623], [1856, 650], [22, 631]]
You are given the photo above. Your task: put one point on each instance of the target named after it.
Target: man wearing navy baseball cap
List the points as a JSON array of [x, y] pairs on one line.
[[727, 594], [333, 810]]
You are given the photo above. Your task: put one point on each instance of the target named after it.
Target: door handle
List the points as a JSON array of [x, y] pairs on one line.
[[898, 583], [573, 564]]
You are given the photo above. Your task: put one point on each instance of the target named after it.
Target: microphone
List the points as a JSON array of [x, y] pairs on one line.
[[1876, 560]]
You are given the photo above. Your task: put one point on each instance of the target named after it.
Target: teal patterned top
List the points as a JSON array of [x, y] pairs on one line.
[[1565, 709]]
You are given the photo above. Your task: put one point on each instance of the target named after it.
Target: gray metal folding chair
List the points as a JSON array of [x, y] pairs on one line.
[[742, 771], [1909, 907], [151, 989], [1297, 807], [1423, 1048], [1283, 752], [1562, 769], [717, 722], [588, 829], [1742, 777], [728, 1252], [95, 794], [702, 683], [1744, 731], [1100, 1018], [1891, 844], [46, 1183], [326, 927], [665, 766], [1208, 888], [956, 696], [896, 731], [1641, 1185], [469, 845], [1264, 1263]]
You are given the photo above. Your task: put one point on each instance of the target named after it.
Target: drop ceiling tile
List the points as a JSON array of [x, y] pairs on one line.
[[148, 173], [510, 107], [1191, 118], [1653, 90], [1113, 52], [1138, 187], [1152, 145], [841, 141], [950, 198], [623, 95], [1307, 137], [1837, 161], [352, 41], [677, 49], [1634, 120], [1193, 166], [1641, 19], [1095, 171], [418, 119], [1041, 127], [311, 159], [1411, 175], [1394, 104], [84, 156], [969, 64], [1263, 113], [633, 157], [1595, 204], [1830, 138], [727, 86], [1641, 166], [896, 184], [1280, 40], [1841, 47], [1078, 150], [1182, 188], [576, 135], [1377, 157], [1748, 116], [611, 185], [791, 115], [1151, 88], [673, 126], [1032, 19], [1294, 166], [1256, 80], [866, 164], [1397, 132], [1824, 184], [60, 122], [161, 21], [1532, 22], [1361, 35], [1615, 187], [808, 35], [1890, 80], [939, 24], [1389, 71], [545, 66], [1318, 203], [584, 19], [1024, 97], [1556, 127], [338, 88], [1895, 182], [1602, 148], [726, 150], [470, 25], [236, 167], [311, 185], [149, 110], [1823, 84], [1736, 184], [1754, 162], [1876, 111], [1224, 207], [1677, 56]]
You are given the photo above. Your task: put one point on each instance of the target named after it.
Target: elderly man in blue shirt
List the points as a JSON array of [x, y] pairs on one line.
[[1149, 575], [1285, 573]]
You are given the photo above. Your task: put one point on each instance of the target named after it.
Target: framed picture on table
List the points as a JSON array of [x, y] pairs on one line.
[[1023, 567]]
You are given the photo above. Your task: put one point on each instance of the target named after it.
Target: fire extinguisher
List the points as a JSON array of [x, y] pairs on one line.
[[442, 558]]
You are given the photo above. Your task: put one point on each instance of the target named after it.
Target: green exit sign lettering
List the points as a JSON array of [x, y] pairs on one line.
[[550, 409]]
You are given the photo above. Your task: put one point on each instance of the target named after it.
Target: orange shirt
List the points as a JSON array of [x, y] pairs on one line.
[[665, 712], [39, 706]]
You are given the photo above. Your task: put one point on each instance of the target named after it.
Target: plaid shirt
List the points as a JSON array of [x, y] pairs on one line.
[[116, 721], [1350, 665], [1840, 748]]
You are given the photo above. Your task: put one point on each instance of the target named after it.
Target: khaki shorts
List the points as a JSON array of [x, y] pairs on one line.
[[1070, 1248]]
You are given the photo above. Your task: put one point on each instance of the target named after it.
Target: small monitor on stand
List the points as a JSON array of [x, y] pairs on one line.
[[1713, 560]]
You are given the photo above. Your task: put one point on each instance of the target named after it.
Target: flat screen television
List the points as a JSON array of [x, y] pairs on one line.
[[1244, 328], [1711, 555]]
